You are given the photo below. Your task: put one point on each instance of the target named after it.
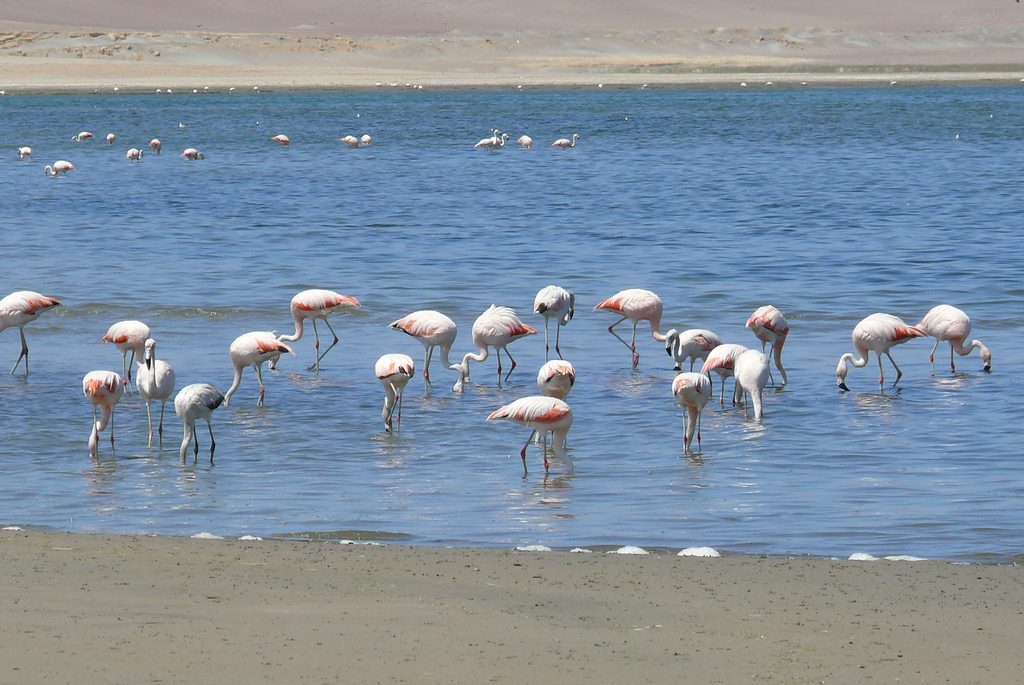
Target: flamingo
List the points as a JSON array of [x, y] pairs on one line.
[[281, 138], [394, 372], [721, 360], [253, 349], [556, 378], [61, 166], [431, 328], [692, 344], [349, 140], [525, 141], [156, 382], [946, 322], [876, 333], [192, 153], [565, 142], [751, 371], [84, 135], [24, 151], [558, 303], [195, 402], [18, 309], [111, 138], [770, 326], [542, 415], [496, 327], [155, 145], [316, 304], [494, 142], [692, 391], [365, 139], [133, 155], [636, 305], [104, 389], [129, 336]]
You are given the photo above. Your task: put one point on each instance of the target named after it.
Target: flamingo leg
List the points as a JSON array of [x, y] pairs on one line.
[[881, 374], [401, 394], [512, 359], [259, 377], [24, 353], [130, 365], [426, 364], [899, 372], [952, 364], [698, 431], [149, 418], [522, 453], [931, 355], [213, 443], [329, 347], [195, 439], [632, 347], [770, 376], [124, 371], [160, 430], [111, 430], [546, 348], [497, 352], [547, 465], [558, 335]]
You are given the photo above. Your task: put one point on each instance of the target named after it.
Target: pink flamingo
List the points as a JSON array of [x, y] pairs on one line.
[[128, 336], [394, 372], [556, 378], [253, 349], [876, 333], [554, 302], [155, 145], [282, 139], [134, 154], [104, 389], [349, 140], [751, 371], [84, 135], [111, 138], [565, 142], [24, 152], [636, 305], [946, 322], [192, 153], [721, 361], [692, 391], [61, 166], [365, 139], [20, 308], [525, 141], [195, 402], [542, 415], [316, 304], [497, 327], [433, 329], [770, 327], [692, 344]]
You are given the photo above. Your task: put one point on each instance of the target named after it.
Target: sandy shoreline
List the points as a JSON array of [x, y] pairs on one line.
[[110, 609]]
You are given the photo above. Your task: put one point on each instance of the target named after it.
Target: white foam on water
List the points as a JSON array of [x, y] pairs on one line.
[[359, 542], [629, 549], [533, 548], [862, 556], [206, 536], [699, 552], [903, 557], [251, 537], [12, 528]]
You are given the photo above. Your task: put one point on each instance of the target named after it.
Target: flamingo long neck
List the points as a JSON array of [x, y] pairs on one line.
[[692, 413], [848, 357], [390, 397], [755, 399], [445, 351], [185, 440], [297, 334], [105, 412], [234, 385], [655, 325], [558, 441], [463, 366], [963, 350], [777, 354]]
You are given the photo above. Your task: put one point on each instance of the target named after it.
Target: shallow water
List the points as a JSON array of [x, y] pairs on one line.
[[829, 203]]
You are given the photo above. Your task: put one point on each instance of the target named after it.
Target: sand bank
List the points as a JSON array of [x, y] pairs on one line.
[[124, 609]]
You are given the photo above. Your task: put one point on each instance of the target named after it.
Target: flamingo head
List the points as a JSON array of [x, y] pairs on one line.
[[841, 371], [149, 353], [671, 341], [986, 358]]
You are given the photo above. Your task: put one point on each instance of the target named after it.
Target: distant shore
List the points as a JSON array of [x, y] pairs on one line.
[[101, 609]]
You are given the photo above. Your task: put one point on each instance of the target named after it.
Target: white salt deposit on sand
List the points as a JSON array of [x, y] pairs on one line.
[[629, 549], [698, 552]]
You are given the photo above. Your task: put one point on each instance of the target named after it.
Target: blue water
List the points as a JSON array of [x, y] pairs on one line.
[[829, 203]]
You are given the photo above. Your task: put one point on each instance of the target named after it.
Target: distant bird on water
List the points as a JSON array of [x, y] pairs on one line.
[[61, 166], [566, 142], [497, 327], [543, 415], [193, 403], [946, 322], [636, 305], [692, 392], [192, 153], [525, 141], [394, 372], [155, 145], [253, 349], [282, 139], [24, 152], [128, 336], [316, 304], [111, 138], [134, 154], [554, 302], [770, 327], [432, 329], [349, 140], [84, 135], [22, 307], [877, 333], [103, 389]]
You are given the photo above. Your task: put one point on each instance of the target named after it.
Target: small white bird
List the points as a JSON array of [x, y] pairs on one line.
[[195, 402]]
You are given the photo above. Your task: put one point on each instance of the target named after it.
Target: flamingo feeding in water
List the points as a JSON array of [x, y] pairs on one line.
[[692, 391], [24, 152], [111, 138], [636, 305], [282, 139], [192, 153], [195, 402], [128, 336], [394, 372], [496, 327], [349, 140], [877, 333], [770, 327], [316, 304], [365, 139], [556, 378], [104, 389], [566, 142], [20, 308], [155, 382], [494, 142], [751, 371], [554, 302], [692, 344], [525, 142], [543, 415], [133, 155], [946, 322], [721, 360], [433, 329], [84, 135], [253, 349], [61, 166], [155, 145]]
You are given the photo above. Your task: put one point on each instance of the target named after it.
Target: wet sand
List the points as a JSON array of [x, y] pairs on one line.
[[120, 609]]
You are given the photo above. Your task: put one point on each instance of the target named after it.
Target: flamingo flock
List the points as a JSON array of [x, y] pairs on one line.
[[547, 414]]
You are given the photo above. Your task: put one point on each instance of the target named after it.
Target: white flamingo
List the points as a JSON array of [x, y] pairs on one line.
[[751, 371], [946, 322], [496, 327], [876, 333], [692, 344], [692, 391], [156, 383], [566, 142], [394, 372], [433, 329], [193, 403], [103, 389], [554, 302]]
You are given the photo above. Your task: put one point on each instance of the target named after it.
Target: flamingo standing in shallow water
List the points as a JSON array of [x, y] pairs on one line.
[[104, 389], [876, 333], [128, 336], [253, 349], [433, 329], [365, 139], [692, 391], [554, 302], [155, 145], [751, 371], [84, 135], [394, 372], [543, 415], [349, 140], [496, 327], [24, 152], [525, 142], [192, 153], [692, 344], [556, 378], [946, 322], [770, 327], [566, 142], [721, 361], [111, 138], [282, 139], [195, 402], [155, 382], [61, 166], [134, 154], [20, 308], [636, 305], [316, 304], [494, 142]]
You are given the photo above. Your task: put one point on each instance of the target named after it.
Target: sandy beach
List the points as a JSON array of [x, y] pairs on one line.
[[59, 45], [124, 609]]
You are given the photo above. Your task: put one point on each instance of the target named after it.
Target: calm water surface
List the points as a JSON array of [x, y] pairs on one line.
[[830, 204]]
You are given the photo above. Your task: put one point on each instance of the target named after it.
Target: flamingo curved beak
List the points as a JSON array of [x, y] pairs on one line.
[[842, 386]]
